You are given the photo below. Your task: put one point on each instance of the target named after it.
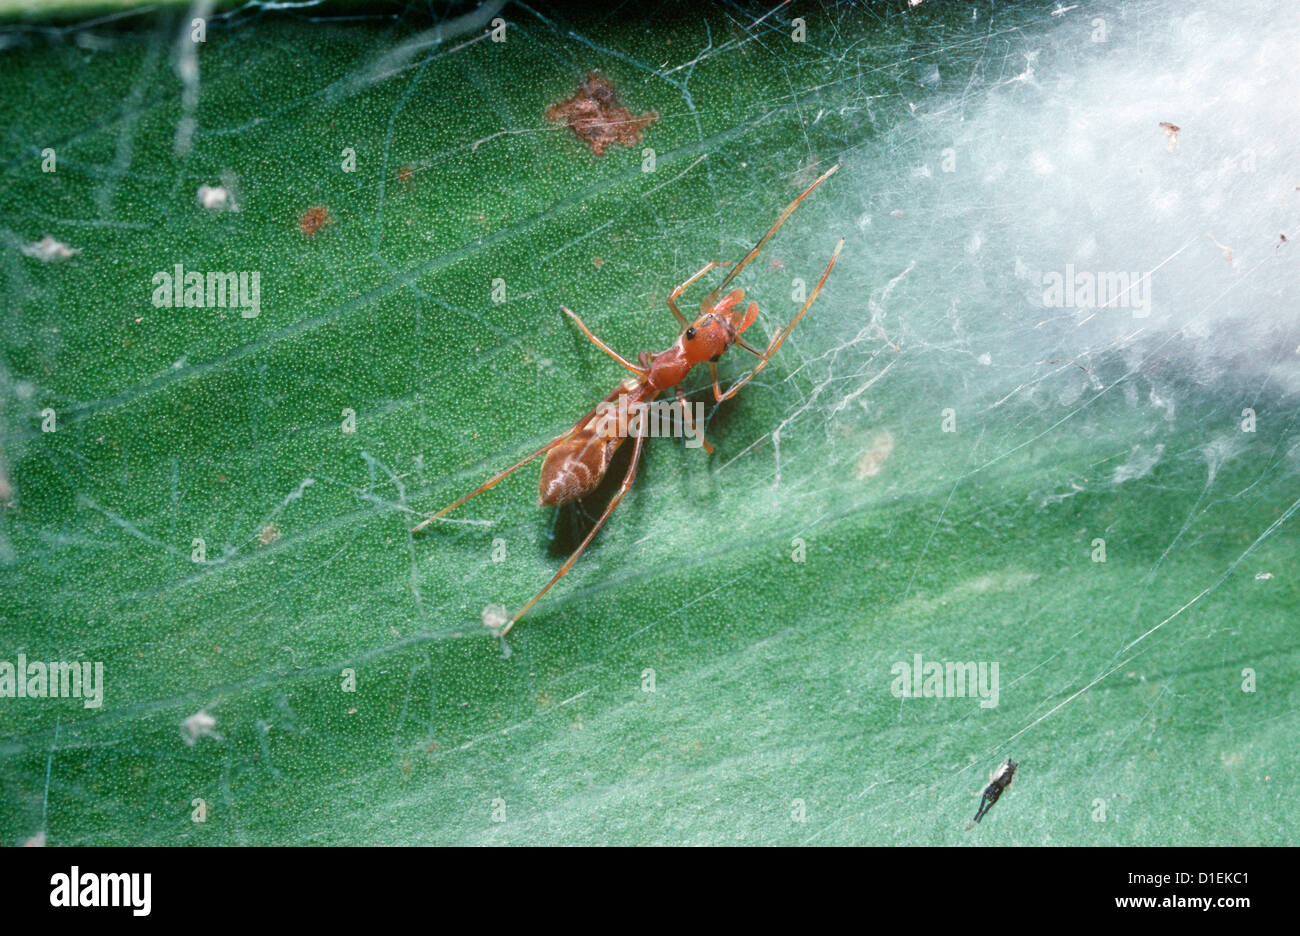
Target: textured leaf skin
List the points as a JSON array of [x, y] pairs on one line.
[[771, 676]]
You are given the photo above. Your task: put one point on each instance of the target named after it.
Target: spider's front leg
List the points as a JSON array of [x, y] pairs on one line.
[[672, 296], [779, 338]]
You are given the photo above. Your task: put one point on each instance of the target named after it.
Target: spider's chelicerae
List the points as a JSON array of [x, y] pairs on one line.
[[999, 780]]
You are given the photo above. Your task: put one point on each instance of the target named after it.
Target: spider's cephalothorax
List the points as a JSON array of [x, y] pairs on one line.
[[704, 340]]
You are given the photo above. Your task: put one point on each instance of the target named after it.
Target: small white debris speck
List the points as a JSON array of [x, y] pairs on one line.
[[1263, 576], [36, 841], [494, 618], [1140, 464], [198, 725], [48, 249], [216, 198], [873, 459]]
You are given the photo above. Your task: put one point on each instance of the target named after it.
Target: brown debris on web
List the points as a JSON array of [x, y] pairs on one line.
[[1227, 251], [1171, 134], [595, 115]]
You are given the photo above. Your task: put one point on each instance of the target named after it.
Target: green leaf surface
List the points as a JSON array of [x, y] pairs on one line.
[[719, 667]]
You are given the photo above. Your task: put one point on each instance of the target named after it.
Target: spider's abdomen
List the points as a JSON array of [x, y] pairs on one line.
[[575, 467]]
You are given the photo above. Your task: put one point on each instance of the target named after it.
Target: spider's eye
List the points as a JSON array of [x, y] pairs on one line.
[[690, 333]]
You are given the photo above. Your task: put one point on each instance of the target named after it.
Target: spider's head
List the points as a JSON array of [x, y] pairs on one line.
[[717, 327], [708, 337]]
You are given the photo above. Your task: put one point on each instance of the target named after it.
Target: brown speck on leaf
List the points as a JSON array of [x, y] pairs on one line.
[[405, 175], [268, 534], [595, 115], [776, 264], [597, 262], [314, 219], [1171, 131]]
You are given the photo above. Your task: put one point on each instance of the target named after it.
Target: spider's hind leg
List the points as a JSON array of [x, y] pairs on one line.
[[493, 481], [617, 499]]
